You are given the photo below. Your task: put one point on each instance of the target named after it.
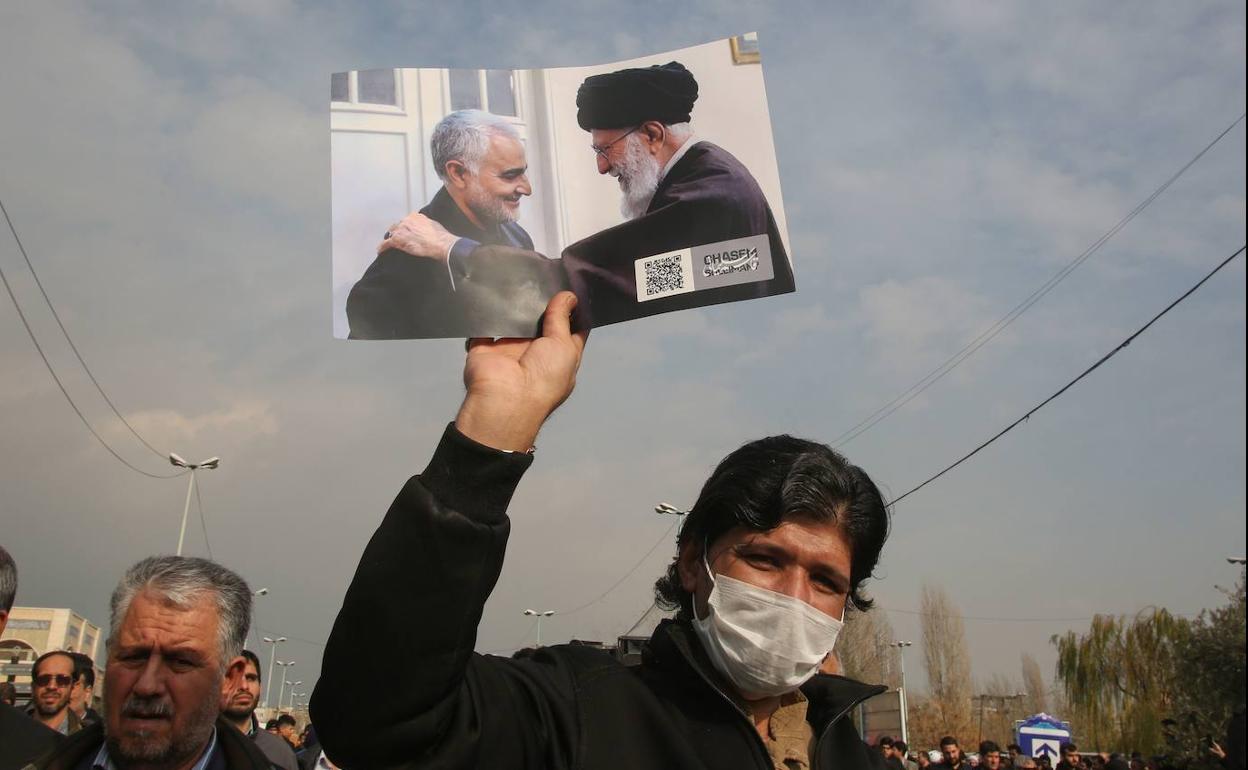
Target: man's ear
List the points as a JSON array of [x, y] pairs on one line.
[[234, 673], [456, 173], [689, 565], [655, 132]]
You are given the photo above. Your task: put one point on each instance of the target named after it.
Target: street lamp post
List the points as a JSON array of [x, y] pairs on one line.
[[539, 616], [268, 687], [901, 655], [210, 463], [281, 690], [293, 685]]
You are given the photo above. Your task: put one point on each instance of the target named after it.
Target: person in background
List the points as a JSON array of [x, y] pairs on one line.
[[989, 755], [239, 709], [951, 754], [52, 681], [176, 629], [1070, 757], [83, 693], [22, 739]]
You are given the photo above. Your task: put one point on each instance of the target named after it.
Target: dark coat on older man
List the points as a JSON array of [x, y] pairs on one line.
[[234, 750], [707, 197], [406, 297]]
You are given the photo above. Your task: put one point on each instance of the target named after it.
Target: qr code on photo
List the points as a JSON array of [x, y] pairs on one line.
[[663, 275]]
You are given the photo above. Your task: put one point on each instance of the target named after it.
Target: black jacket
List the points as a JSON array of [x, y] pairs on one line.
[[406, 297], [22, 739], [235, 751], [437, 556]]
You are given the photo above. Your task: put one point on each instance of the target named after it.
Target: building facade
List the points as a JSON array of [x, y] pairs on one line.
[[32, 631]]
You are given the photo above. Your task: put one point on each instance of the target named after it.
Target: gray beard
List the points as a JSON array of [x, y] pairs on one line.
[[489, 209], [135, 752], [638, 175]]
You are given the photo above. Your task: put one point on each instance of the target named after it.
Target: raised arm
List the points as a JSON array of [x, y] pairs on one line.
[[400, 681]]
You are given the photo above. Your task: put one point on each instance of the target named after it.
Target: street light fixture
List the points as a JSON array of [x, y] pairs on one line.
[[268, 687], [539, 616], [281, 690], [668, 508], [260, 592], [293, 685], [901, 655], [1235, 560], [209, 464]]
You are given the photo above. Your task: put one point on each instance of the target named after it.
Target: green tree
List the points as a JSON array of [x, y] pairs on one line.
[[1156, 683], [1211, 670], [1121, 679]]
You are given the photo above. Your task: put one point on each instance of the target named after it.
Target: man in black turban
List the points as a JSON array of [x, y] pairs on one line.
[[678, 193]]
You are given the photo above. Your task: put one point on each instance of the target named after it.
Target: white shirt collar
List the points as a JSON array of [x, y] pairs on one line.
[[690, 141]]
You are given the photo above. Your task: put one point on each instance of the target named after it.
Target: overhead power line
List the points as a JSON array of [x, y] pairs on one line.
[[30, 266], [1070, 384], [986, 336], [59, 384], [626, 575]]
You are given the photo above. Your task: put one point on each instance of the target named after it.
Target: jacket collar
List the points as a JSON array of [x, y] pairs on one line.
[[830, 698], [237, 750]]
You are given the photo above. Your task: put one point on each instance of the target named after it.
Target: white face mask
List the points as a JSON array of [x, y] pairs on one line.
[[765, 643]]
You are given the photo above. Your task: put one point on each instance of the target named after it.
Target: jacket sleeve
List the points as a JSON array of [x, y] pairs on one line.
[[400, 684]]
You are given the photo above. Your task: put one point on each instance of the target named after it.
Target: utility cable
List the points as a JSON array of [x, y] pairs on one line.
[[626, 575], [996, 328], [68, 339], [1070, 384], [65, 392]]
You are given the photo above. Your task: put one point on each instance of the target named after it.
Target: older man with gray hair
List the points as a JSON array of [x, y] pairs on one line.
[[176, 632], [481, 161]]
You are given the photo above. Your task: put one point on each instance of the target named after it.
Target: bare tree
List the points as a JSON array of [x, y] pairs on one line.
[[1033, 684], [947, 660], [864, 651]]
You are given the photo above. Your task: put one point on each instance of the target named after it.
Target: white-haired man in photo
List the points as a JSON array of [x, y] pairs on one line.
[[481, 161]]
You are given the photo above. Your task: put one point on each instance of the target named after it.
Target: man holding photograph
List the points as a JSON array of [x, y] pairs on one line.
[[481, 161], [777, 546], [676, 191]]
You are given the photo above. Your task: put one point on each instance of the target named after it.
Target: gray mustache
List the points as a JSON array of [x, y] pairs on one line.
[[146, 709]]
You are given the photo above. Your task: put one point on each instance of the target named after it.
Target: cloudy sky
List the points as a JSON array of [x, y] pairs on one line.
[[167, 169]]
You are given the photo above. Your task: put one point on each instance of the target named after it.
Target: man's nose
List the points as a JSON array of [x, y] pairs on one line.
[[524, 187], [152, 680], [603, 165]]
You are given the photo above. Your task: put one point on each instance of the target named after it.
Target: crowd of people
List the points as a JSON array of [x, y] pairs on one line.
[[896, 755], [173, 689]]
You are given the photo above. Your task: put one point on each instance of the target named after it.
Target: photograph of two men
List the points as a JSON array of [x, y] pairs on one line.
[[463, 199]]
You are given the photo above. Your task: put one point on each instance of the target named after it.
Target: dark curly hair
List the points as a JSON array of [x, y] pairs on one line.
[[773, 479]]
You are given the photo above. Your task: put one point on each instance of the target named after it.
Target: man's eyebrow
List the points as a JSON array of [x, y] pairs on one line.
[[515, 170]]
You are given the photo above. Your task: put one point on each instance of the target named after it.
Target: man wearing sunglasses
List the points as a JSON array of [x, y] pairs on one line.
[[52, 680], [677, 192], [779, 543]]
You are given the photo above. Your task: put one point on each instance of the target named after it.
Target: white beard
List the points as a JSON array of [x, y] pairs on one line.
[[638, 174]]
